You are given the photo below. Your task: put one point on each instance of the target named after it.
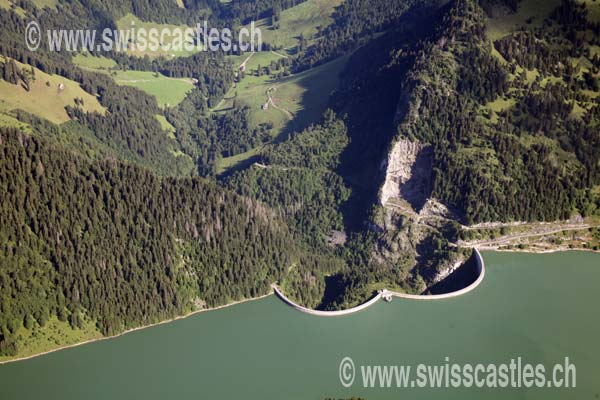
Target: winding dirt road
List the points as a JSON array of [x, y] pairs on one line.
[[271, 100], [508, 238]]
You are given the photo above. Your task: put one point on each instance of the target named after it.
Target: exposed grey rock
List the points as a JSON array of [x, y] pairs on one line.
[[407, 174]]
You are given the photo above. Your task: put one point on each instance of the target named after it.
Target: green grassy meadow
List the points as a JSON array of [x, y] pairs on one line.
[[7, 5], [10, 121], [94, 63], [300, 100], [45, 98], [167, 91], [53, 335], [167, 127], [303, 19]]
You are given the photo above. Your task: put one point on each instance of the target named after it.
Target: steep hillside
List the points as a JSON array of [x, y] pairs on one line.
[[448, 128], [29, 89], [488, 163], [111, 246], [440, 124]]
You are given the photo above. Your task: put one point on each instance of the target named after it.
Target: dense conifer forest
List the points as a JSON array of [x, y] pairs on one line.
[[112, 243], [108, 219]]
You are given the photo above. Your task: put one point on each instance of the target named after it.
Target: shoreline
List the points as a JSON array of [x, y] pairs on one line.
[[139, 328], [533, 251], [420, 297]]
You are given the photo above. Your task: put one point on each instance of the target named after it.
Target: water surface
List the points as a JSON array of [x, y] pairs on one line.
[[539, 307]]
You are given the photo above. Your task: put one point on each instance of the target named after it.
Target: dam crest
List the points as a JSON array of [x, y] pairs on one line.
[[388, 295]]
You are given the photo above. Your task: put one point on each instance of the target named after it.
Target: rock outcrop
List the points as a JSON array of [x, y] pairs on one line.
[[407, 175]]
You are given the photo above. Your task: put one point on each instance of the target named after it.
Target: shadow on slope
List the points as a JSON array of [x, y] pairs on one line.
[[370, 97], [462, 277]]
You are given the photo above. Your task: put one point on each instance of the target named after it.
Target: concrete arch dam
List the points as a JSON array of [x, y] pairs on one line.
[[388, 294]]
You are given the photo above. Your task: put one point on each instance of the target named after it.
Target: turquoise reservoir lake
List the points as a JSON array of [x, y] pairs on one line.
[[539, 307]]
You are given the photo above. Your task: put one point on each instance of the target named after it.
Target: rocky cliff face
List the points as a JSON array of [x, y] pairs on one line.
[[407, 176], [411, 222]]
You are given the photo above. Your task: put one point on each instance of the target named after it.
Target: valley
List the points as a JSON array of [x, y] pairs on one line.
[[367, 146]]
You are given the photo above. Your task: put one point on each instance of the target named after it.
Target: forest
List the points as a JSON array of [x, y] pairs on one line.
[[442, 87], [114, 244], [113, 220], [502, 190]]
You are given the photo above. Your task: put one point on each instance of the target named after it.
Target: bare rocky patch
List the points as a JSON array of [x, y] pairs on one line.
[[407, 175]]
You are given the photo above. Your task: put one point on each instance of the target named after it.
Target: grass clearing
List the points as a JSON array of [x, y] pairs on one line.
[[551, 80], [558, 155], [303, 19], [251, 90], [8, 5], [7, 120], [129, 21], [498, 105], [238, 161], [95, 63], [46, 97], [297, 101], [261, 58], [590, 93], [46, 3], [168, 91], [504, 22], [578, 111], [53, 335], [166, 126], [304, 96]]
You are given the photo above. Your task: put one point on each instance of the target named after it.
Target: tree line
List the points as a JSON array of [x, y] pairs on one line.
[[113, 244]]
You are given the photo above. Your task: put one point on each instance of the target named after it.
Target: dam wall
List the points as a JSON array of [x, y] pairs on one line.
[[326, 313], [387, 293], [480, 270]]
